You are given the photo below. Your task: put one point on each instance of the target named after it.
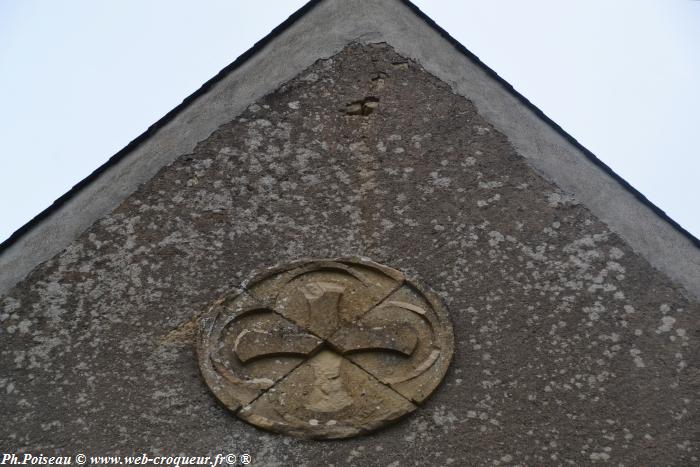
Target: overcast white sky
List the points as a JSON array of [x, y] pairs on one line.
[[79, 79]]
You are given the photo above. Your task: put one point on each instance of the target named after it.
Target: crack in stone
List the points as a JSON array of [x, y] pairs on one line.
[[316, 381], [380, 382], [304, 327]]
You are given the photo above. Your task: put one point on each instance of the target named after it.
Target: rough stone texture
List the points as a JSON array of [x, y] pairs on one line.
[[432, 345], [570, 349], [329, 348], [304, 293], [326, 397]]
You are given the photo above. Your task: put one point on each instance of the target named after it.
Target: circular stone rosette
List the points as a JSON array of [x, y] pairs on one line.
[[325, 348]]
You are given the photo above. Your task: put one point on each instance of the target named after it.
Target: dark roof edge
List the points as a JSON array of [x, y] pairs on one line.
[[592, 157], [167, 118], [115, 159]]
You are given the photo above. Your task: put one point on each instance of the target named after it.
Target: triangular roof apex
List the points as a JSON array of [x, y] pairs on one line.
[[319, 30]]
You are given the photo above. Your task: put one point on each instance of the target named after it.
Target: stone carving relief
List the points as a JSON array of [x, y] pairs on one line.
[[325, 348]]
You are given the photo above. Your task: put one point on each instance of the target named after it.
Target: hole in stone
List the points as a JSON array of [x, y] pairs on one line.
[[378, 81], [362, 107]]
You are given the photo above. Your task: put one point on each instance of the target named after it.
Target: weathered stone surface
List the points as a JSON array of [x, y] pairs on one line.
[[325, 296], [327, 397], [236, 334], [417, 376], [569, 348], [390, 336], [257, 344], [241, 341]]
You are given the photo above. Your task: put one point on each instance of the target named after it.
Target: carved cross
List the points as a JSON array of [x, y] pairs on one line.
[[323, 299]]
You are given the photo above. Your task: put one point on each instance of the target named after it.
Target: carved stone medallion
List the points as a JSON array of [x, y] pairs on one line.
[[325, 348]]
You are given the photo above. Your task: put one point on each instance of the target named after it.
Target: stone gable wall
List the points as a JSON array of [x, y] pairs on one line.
[[569, 348]]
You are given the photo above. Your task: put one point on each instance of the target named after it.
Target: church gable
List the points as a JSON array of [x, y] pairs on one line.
[[322, 28], [559, 325]]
